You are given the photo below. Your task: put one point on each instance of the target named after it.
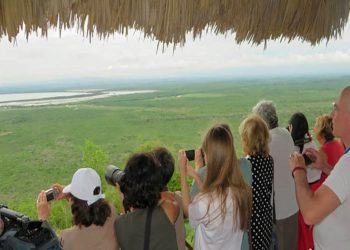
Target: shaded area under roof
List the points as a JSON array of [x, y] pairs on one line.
[[168, 21]]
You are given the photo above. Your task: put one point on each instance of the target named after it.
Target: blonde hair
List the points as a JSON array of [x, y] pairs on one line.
[[324, 127], [223, 172], [255, 135]]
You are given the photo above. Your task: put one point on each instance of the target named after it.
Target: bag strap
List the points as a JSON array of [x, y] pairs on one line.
[[146, 242]]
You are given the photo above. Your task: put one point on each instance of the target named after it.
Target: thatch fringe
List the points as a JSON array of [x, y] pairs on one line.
[[168, 21]]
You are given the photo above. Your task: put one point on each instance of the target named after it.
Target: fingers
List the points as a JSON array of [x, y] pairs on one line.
[[59, 191], [311, 151], [190, 170], [182, 161], [41, 198], [296, 160], [58, 187], [198, 157]]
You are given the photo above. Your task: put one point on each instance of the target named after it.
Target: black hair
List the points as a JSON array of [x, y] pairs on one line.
[[166, 163], [97, 213], [141, 183], [300, 128]]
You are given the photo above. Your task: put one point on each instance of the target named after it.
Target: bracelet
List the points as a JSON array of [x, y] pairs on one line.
[[298, 168]]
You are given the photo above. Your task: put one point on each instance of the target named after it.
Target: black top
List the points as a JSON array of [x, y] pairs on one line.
[[261, 221]]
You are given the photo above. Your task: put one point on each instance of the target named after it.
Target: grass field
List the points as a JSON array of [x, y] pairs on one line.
[[43, 145]]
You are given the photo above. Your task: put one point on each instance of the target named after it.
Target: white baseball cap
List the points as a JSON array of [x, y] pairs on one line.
[[83, 185]]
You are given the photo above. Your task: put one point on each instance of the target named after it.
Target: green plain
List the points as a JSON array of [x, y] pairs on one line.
[[43, 145]]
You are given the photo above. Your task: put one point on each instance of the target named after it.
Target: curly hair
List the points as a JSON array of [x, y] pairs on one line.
[[166, 162], [267, 111], [97, 213], [141, 183]]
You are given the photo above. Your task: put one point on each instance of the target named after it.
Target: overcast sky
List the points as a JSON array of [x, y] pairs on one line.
[[73, 56]]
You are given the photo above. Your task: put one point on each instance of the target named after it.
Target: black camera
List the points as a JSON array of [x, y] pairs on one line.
[[20, 233], [308, 160], [113, 175], [190, 154]]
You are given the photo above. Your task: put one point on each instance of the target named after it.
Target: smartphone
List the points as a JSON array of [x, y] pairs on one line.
[[190, 154], [51, 194], [307, 159]]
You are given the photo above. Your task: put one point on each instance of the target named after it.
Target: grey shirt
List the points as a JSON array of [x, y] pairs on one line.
[[130, 230]]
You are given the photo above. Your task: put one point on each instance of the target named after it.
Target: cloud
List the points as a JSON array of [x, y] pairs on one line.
[[73, 56]]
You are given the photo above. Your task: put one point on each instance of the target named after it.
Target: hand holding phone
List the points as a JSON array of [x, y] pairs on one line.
[[51, 194]]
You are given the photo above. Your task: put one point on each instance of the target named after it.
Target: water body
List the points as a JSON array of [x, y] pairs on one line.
[[57, 98]]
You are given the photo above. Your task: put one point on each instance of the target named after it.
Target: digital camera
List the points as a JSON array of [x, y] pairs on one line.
[[51, 194]]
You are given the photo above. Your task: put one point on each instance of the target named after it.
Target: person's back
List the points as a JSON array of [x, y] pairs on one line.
[[281, 146], [130, 229], [333, 232], [166, 162], [254, 138], [93, 237], [246, 170], [179, 223], [213, 231], [141, 187], [334, 150]]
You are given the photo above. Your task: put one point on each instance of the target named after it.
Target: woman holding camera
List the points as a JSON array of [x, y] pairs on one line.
[[92, 216], [220, 212], [149, 220], [299, 129]]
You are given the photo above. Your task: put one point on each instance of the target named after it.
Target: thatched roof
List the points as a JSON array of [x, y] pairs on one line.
[[168, 21]]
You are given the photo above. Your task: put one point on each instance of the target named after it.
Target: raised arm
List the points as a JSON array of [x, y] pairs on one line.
[[186, 200], [314, 206]]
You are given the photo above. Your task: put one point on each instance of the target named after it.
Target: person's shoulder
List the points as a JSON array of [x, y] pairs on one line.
[[310, 144], [202, 171], [245, 165], [344, 162], [69, 234], [113, 211], [244, 162], [171, 209], [281, 136]]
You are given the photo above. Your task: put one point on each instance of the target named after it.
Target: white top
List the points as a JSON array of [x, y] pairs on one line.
[[333, 232], [281, 146], [212, 231], [312, 174]]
